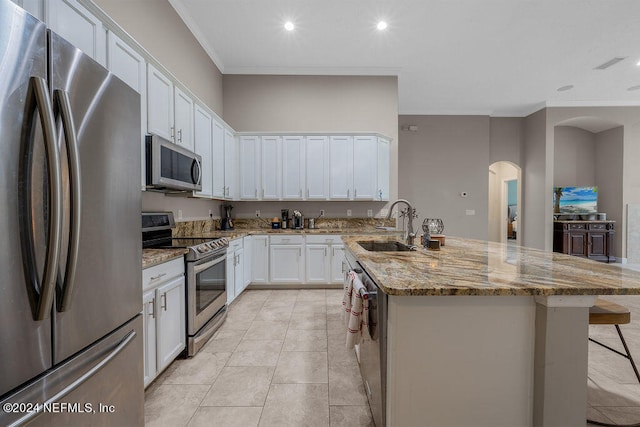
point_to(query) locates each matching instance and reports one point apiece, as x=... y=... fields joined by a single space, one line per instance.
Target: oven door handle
x=201 y=267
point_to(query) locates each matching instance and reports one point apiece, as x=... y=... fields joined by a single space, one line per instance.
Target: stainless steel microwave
x=171 y=167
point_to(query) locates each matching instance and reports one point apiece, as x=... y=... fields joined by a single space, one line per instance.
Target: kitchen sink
x=374 y=246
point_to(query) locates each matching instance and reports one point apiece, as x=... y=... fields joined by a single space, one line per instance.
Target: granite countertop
x=235 y=234
x=569 y=221
x=151 y=257
x=474 y=267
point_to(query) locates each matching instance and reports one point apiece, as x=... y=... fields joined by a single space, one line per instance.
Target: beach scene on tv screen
x=575 y=200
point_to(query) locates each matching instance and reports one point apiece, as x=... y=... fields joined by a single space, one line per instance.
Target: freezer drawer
x=102 y=385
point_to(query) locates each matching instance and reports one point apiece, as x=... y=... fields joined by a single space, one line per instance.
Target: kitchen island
x=487 y=334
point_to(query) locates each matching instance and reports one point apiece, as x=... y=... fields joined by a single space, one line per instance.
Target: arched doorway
x=504 y=202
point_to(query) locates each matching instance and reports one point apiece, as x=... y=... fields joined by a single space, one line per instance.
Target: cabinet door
x=248 y=157
x=149 y=330
x=203 y=139
x=293 y=168
x=218 y=166
x=159 y=104
x=260 y=260
x=578 y=243
x=341 y=166
x=316 y=167
x=171 y=321
x=230 y=166
x=271 y=168
x=231 y=275
x=384 y=150
x=183 y=132
x=317 y=263
x=130 y=67
x=247 y=243
x=238 y=279
x=598 y=244
x=286 y=263
x=79 y=27
x=365 y=162
x=337 y=257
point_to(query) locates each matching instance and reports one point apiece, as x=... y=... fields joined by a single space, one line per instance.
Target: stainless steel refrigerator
x=70 y=251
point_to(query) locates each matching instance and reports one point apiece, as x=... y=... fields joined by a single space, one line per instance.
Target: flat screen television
x=575 y=200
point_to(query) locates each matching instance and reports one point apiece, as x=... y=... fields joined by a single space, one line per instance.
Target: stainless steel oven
x=206 y=298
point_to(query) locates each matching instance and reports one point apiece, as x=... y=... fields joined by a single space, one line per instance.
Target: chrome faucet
x=411 y=235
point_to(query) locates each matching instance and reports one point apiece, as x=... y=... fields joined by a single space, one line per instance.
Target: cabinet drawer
x=324 y=238
x=600 y=226
x=235 y=244
x=286 y=240
x=160 y=273
x=577 y=226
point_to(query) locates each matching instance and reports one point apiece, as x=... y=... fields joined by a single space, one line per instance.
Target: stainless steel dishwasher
x=373 y=353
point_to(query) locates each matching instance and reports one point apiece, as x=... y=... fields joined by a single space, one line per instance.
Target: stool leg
x=626 y=349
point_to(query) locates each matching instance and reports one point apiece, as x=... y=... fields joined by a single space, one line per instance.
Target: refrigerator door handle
x=75 y=384
x=42 y=294
x=61 y=98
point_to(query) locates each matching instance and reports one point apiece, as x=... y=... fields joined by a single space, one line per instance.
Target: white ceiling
x=496 y=57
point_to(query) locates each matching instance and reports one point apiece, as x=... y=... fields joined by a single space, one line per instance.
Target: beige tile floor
x=280 y=360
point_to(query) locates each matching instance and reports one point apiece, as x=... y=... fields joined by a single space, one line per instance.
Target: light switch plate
x=471 y=212
x=348 y=212
x=370 y=213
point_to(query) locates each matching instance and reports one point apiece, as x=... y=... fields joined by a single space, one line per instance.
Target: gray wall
x=314 y=103
x=446 y=156
x=574 y=157
x=506 y=140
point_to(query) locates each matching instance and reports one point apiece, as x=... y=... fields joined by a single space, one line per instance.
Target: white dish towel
x=356 y=311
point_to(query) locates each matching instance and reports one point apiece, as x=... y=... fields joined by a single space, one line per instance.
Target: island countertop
x=480 y=268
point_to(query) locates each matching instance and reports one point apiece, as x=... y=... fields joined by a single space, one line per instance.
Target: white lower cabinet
x=247 y=260
x=164 y=316
x=323 y=263
x=235 y=270
x=286 y=259
x=260 y=260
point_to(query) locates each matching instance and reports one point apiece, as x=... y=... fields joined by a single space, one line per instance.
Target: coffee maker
x=227 y=222
x=285 y=217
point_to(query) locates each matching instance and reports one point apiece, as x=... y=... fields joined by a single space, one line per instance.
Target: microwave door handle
x=196 y=163
x=61 y=98
x=42 y=295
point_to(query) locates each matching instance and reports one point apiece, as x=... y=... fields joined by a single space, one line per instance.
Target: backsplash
x=194 y=228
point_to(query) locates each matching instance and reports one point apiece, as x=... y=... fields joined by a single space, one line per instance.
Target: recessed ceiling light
x=565 y=88
x=381 y=26
x=289 y=26
x=632 y=88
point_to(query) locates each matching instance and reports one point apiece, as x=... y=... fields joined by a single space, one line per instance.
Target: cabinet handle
x=333 y=252
x=355 y=193
x=263 y=193
x=173 y=133
x=180 y=135
x=299 y=252
x=157 y=277
x=265 y=243
x=348 y=193
x=256 y=193
x=163 y=301
x=325 y=252
x=307 y=193
x=152 y=311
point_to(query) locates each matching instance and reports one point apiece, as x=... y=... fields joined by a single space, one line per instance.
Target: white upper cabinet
x=365 y=160
x=271 y=168
x=159 y=103
x=34 y=7
x=341 y=167
x=293 y=186
x=384 y=148
x=230 y=166
x=126 y=63
x=249 y=159
x=316 y=167
x=203 y=139
x=78 y=26
x=183 y=121
x=218 y=188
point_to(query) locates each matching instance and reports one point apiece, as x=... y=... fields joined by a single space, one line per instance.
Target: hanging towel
x=356 y=310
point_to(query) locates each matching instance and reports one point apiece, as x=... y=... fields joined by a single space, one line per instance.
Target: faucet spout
x=411 y=235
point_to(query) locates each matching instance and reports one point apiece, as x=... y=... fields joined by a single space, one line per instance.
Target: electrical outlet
x=210 y=213
x=384 y=212
x=370 y=213
x=258 y=213
x=179 y=213
x=321 y=213
x=471 y=212
x=348 y=212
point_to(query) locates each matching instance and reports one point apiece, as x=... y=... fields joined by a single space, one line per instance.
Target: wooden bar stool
x=609 y=313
